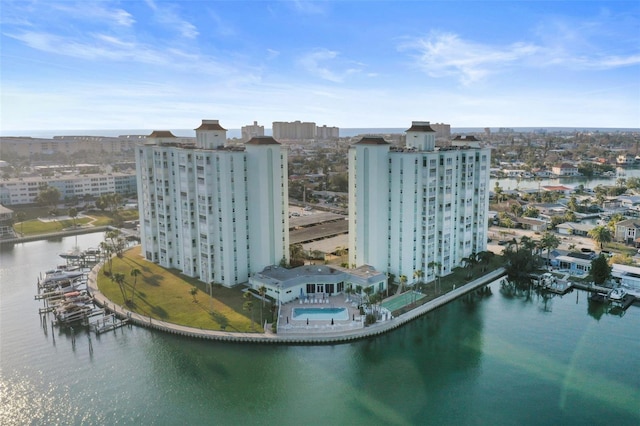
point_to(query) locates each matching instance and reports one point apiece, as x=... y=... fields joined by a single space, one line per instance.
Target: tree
x=108 y=251
x=435 y=267
x=341 y=251
x=600 y=270
x=248 y=305
x=520 y=262
x=600 y=234
x=48 y=196
x=549 y=242
x=262 y=291
x=368 y=291
x=403 y=281
x=573 y=204
x=497 y=190
x=73 y=213
x=418 y=275
x=118 y=278
x=21 y=216
x=484 y=257
x=194 y=292
x=516 y=209
x=296 y=251
x=134 y=273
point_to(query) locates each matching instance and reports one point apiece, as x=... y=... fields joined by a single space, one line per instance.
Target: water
x=589 y=183
x=496 y=360
x=314 y=314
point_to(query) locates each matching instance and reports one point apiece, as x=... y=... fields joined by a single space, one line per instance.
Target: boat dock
x=106 y=323
x=551 y=283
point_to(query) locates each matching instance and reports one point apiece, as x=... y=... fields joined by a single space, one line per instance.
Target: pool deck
x=318 y=332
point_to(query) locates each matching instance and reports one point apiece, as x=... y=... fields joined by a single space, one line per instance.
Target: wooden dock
x=107 y=323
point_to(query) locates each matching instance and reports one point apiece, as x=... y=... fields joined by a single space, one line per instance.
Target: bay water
x=493 y=359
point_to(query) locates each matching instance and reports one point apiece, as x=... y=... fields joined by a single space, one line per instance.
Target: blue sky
x=166 y=65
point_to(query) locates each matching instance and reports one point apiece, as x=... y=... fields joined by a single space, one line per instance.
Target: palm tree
x=497 y=190
x=73 y=213
x=194 y=293
x=262 y=291
x=600 y=234
x=359 y=293
x=549 y=242
x=435 y=267
x=248 y=305
x=368 y=291
x=134 y=273
x=108 y=251
x=21 y=216
x=484 y=257
x=417 y=275
x=403 y=281
x=118 y=278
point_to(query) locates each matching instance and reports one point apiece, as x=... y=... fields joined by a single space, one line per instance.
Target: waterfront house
x=628 y=276
x=530 y=223
x=631 y=202
x=565 y=169
x=6 y=222
x=574 y=263
x=628 y=231
x=315 y=281
x=573 y=228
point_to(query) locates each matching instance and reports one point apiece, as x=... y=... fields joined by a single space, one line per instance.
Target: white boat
x=72 y=254
x=617 y=294
x=53 y=276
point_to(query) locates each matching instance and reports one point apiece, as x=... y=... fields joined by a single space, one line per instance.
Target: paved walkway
x=311 y=336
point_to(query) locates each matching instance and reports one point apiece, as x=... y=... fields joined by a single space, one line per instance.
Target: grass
x=165 y=295
x=95 y=217
x=457 y=278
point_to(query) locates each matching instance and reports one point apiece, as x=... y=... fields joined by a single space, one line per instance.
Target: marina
x=550 y=350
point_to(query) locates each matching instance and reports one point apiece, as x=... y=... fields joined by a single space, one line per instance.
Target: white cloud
x=95 y=11
x=446 y=54
x=308 y=7
x=316 y=64
x=168 y=15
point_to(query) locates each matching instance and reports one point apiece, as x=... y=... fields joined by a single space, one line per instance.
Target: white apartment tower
x=215 y=212
x=416 y=208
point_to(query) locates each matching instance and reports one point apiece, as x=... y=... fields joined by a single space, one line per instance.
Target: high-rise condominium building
x=215 y=212
x=416 y=208
x=250 y=131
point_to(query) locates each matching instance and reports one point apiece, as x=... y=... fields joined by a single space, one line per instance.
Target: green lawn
x=95 y=218
x=165 y=295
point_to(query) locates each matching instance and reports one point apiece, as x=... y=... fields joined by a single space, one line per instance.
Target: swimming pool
x=313 y=314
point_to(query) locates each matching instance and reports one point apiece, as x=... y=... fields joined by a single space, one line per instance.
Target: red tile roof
x=420 y=128
x=161 y=134
x=372 y=140
x=263 y=140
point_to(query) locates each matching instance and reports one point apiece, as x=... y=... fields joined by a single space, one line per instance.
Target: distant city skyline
x=351 y=64
x=344 y=132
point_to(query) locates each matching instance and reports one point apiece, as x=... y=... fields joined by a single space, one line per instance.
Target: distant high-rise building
x=324 y=133
x=416 y=208
x=293 y=130
x=443 y=131
x=251 y=131
x=215 y=212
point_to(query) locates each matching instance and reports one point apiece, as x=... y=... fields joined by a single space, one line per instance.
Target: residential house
x=628 y=231
x=565 y=169
x=573 y=228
